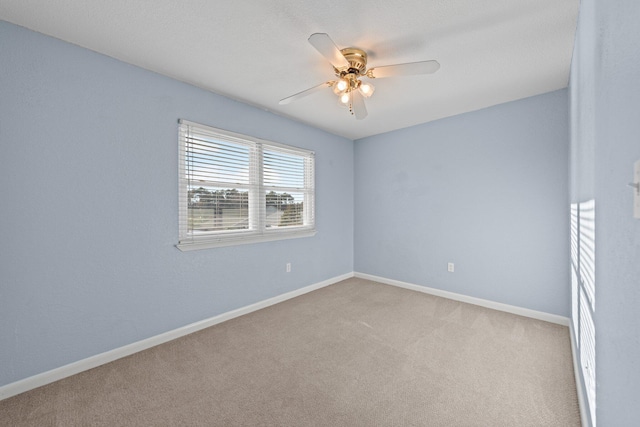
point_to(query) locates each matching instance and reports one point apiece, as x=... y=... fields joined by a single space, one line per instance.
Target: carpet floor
x=357 y=353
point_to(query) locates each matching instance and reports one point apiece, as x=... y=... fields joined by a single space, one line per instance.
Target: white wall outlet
x=450 y=267
x=288 y=267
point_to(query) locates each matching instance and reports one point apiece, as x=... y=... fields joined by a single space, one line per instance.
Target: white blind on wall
x=289 y=187
x=219 y=175
x=586 y=281
x=237 y=189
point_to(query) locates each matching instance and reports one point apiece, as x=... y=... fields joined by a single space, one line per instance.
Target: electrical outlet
x=450 y=267
x=288 y=267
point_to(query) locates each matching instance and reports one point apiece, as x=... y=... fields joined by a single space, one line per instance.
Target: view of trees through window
x=283 y=209
x=218 y=209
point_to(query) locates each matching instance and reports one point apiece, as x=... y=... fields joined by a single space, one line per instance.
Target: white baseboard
x=582 y=402
x=540 y=315
x=56 y=374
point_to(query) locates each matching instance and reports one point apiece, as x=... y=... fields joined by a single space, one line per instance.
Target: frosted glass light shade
x=367 y=89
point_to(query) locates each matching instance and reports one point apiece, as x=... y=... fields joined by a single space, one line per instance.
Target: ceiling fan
x=349 y=65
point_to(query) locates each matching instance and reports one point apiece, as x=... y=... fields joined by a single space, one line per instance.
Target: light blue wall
x=486 y=190
x=606 y=122
x=89 y=207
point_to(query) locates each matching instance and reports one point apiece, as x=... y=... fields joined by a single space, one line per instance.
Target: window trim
x=257 y=194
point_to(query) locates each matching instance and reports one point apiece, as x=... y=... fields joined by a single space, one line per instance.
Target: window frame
x=257 y=230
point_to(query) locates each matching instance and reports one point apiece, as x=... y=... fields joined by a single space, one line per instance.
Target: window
x=237 y=189
x=583 y=247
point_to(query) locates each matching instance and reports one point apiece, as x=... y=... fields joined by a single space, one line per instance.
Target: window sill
x=220 y=241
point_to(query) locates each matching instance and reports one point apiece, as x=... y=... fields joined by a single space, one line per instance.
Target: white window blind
x=288 y=185
x=583 y=293
x=586 y=280
x=238 y=189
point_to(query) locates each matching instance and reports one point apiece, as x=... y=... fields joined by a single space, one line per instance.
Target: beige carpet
x=356 y=353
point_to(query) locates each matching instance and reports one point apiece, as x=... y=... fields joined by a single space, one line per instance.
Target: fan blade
x=357 y=104
x=327 y=48
x=304 y=93
x=422 y=67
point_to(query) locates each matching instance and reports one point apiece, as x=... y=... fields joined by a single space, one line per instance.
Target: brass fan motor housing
x=357 y=59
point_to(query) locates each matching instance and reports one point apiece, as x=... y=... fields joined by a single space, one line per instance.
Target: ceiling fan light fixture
x=340 y=86
x=350 y=65
x=345 y=98
x=366 y=89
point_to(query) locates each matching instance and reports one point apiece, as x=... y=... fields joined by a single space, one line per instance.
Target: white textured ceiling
x=256 y=51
